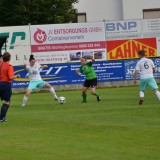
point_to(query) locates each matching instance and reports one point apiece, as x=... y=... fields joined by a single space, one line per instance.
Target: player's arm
x=15 y=76
x=44 y=66
x=11 y=73
x=79 y=72
x=92 y=60
x=153 y=66
x=135 y=76
x=26 y=66
x=136 y=73
x=154 y=70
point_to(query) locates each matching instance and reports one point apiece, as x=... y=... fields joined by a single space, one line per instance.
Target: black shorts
x=90 y=83
x=5 y=91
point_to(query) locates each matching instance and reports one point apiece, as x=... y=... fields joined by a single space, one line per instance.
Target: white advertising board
x=151 y=28
x=18 y=43
x=63 y=43
x=123 y=29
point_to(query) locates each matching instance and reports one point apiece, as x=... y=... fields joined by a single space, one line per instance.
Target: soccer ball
x=61 y=100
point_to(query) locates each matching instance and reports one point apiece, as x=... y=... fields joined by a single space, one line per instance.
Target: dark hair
x=1 y=55
x=31 y=57
x=6 y=56
x=141 y=53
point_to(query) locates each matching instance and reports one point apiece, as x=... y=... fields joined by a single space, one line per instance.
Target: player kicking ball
x=147 y=69
x=35 y=80
x=91 y=79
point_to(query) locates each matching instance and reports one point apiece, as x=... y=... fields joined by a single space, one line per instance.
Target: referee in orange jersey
x=6 y=76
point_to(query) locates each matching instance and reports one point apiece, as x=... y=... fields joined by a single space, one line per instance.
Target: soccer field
x=116 y=128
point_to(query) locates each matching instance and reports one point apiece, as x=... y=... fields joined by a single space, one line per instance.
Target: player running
x=91 y=79
x=35 y=79
x=146 y=68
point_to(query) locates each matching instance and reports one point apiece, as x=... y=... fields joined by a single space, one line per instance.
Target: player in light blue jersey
x=147 y=69
x=35 y=80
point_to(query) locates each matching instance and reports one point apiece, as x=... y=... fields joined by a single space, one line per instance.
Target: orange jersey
x=6 y=71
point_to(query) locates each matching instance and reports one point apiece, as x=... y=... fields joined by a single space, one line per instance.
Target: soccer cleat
x=98 y=98
x=84 y=101
x=3 y=120
x=140 y=101
x=56 y=99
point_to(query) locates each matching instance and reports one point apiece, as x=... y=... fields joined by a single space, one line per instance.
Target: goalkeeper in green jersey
x=91 y=79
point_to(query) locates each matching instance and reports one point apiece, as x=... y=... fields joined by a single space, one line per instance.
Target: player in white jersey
x=147 y=69
x=35 y=79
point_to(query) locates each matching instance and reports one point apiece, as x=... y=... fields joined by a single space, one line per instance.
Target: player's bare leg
x=51 y=89
x=25 y=98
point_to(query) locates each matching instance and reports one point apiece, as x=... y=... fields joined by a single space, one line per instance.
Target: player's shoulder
x=28 y=66
x=10 y=65
x=6 y=64
x=144 y=60
x=139 y=61
x=89 y=63
x=37 y=64
x=148 y=60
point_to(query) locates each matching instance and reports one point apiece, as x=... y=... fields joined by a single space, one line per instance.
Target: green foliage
x=22 y=12
x=117 y=128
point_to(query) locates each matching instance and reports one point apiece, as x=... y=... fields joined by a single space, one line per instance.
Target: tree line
x=22 y=12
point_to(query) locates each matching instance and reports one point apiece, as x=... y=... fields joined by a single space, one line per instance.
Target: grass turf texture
x=116 y=128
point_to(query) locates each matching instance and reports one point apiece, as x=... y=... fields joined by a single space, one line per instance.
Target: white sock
x=53 y=92
x=25 y=99
x=141 y=94
x=158 y=95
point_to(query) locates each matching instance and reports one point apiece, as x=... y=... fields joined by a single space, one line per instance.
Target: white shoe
x=56 y=98
x=23 y=105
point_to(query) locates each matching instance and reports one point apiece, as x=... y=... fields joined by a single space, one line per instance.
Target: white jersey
x=33 y=72
x=145 y=66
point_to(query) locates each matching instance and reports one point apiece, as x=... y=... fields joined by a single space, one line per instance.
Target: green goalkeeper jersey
x=88 y=71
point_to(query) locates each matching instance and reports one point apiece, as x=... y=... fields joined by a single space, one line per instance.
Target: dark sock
x=84 y=97
x=4 y=110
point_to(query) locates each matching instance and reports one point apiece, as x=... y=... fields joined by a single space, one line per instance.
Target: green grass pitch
x=116 y=128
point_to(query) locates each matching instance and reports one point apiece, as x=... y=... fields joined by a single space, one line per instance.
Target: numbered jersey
x=33 y=72
x=145 y=66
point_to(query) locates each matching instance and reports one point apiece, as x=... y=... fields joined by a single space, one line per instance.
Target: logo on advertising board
x=121 y=26
x=130 y=66
x=123 y=29
x=127 y=49
x=53 y=75
x=58 y=74
x=40 y=36
x=157 y=64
